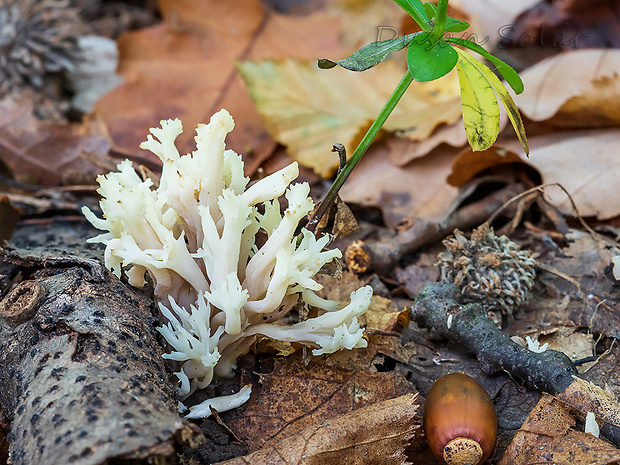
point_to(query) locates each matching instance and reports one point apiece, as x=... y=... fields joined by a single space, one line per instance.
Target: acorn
x=459 y=420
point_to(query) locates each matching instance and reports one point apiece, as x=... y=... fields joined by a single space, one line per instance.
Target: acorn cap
x=488 y=268
x=462 y=451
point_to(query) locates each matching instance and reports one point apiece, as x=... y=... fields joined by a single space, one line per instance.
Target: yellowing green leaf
x=480 y=109
x=496 y=86
x=309 y=110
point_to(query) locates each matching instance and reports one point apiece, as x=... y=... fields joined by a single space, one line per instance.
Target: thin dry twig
x=541 y=189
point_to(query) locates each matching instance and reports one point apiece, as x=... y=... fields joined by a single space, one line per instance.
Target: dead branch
x=437 y=307
x=382 y=256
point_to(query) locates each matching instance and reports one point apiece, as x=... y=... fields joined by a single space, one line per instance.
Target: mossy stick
x=551 y=371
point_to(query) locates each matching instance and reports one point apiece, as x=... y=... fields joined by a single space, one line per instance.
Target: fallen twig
x=382 y=256
x=437 y=307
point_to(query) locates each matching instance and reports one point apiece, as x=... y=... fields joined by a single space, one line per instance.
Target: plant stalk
x=360 y=150
x=440 y=19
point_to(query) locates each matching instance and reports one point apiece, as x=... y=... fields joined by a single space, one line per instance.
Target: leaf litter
x=186 y=67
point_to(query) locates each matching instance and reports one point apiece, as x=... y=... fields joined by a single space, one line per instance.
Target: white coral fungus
x=591 y=425
x=195 y=235
x=534 y=345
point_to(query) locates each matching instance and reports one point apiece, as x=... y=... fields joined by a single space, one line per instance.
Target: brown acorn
x=459 y=420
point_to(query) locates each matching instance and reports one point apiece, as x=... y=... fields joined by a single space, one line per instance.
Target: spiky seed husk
x=489 y=269
x=37 y=37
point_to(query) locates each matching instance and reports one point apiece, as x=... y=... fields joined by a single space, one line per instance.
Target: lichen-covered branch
x=438 y=307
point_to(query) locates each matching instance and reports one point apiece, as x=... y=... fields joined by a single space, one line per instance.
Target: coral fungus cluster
x=195 y=236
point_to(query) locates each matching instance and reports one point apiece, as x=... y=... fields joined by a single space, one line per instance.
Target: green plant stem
x=440 y=19
x=360 y=150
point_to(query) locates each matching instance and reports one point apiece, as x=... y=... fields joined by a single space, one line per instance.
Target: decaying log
x=82 y=379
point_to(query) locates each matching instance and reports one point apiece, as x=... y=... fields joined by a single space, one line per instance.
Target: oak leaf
x=309 y=110
x=378 y=434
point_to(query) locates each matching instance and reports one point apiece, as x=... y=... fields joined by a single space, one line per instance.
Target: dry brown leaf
x=548 y=435
x=584 y=256
x=584 y=162
x=382 y=314
x=468 y=163
x=488 y=17
x=579 y=88
x=417 y=190
x=424 y=107
x=588 y=397
x=549 y=28
x=345 y=223
x=580 y=272
x=379 y=347
x=50 y=153
x=416 y=276
x=574 y=344
x=295 y=397
x=377 y=434
x=579 y=295
x=368 y=21
x=604 y=371
x=309 y=110
x=185 y=68
x=451 y=134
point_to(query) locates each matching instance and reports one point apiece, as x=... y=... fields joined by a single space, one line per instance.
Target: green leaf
x=430 y=9
x=511 y=76
x=480 y=109
x=455 y=25
x=415 y=8
x=370 y=55
x=493 y=82
x=428 y=60
x=440 y=19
